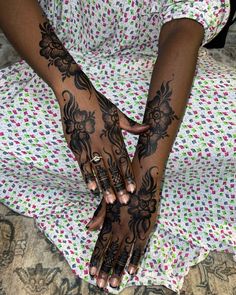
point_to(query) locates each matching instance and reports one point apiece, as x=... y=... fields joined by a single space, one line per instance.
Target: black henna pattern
x=110 y=256
x=103 y=178
x=112 y=215
x=88 y=176
x=121 y=262
x=158 y=115
x=117 y=179
x=80 y=124
x=55 y=52
x=112 y=131
x=136 y=256
x=99 y=208
x=141 y=207
x=101 y=243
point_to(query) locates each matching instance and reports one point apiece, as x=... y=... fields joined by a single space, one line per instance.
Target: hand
x=126 y=230
x=92 y=127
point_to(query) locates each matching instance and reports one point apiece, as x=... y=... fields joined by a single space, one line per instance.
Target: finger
x=117 y=179
x=88 y=175
x=127 y=171
x=108 y=262
x=130 y=125
x=119 y=267
x=138 y=252
x=100 y=248
x=98 y=217
x=105 y=183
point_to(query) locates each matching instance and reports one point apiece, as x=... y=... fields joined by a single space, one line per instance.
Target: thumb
x=130 y=125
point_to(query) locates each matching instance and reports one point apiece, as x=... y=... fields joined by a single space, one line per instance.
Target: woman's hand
x=92 y=127
x=126 y=230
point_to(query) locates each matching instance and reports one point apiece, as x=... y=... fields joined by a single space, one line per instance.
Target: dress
x=39 y=176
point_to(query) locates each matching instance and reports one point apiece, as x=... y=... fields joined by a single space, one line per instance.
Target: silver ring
x=96 y=159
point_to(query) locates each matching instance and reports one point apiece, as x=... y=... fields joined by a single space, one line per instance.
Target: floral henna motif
x=141 y=207
x=54 y=51
x=158 y=115
x=80 y=124
x=112 y=131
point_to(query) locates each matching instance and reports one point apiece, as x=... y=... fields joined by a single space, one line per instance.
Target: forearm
x=169 y=90
x=26 y=27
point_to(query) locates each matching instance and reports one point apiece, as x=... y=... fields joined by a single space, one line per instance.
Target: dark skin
x=169 y=89
x=91 y=123
x=125 y=228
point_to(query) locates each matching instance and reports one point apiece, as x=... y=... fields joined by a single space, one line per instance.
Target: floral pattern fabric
x=117 y=48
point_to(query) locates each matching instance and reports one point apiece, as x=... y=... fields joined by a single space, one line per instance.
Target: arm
x=169 y=89
x=91 y=123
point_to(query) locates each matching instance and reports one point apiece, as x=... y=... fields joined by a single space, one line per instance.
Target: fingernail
x=101 y=283
x=124 y=199
x=93 y=271
x=132 y=270
x=111 y=199
x=92 y=185
x=131 y=187
x=114 y=282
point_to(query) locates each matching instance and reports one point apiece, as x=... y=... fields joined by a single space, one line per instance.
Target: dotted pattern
x=39 y=176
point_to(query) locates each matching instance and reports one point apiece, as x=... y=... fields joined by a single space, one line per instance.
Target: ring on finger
x=96 y=159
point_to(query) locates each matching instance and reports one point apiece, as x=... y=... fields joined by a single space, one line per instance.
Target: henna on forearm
x=57 y=55
x=158 y=115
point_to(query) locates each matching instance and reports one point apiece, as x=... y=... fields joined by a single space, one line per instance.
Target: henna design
x=103 y=178
x=121 y=262
x=110 y=256
x=159 y=115
x=80 y=124
x=117 y=179
x=82 y=82
x=112 y=131
x=111 y=121
x=88 y=176
x=141 y=207
x=112 y=215
x=136 y=256
x=99 y=208
x=55 y=52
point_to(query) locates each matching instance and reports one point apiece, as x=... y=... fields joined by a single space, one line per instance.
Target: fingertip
x=92 y=186
x=131 y=187
x=93 y=271
x=109 y=197
x=123 y=197
x=114 y=283
x=132 y=270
